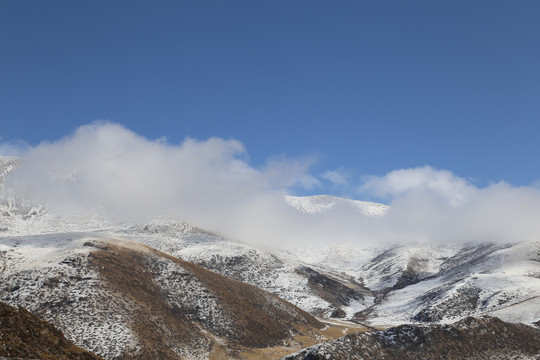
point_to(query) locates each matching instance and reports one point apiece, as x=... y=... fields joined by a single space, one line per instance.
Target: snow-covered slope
x=322 y=203
x=241 y=262
x=7 y=164
x=392 y=284
x=439 y=283
x=117 y=297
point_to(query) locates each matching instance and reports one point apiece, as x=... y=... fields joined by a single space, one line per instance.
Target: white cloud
x=498 y=212
x=436 y=205
x=421 y=179
x=337 y=177
x=13 y=148
x=105 y=168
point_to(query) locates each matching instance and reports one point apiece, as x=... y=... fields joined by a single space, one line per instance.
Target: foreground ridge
x=25 y=336
x=470 y=338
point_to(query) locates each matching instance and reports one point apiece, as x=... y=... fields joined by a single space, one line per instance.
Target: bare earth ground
x=333 y=330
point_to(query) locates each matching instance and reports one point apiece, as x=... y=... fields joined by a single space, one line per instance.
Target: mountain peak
x=322 y=203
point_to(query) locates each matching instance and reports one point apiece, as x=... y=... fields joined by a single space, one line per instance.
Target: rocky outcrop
x=330 y=289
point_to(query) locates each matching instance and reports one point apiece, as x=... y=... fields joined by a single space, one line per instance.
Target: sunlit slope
x=117 y=297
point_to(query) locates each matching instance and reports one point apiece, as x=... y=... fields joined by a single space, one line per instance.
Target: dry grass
x=261 y=319
x=23 y=335
x=156 y=324
x=333 y=330
x=468 y=339
x=258 y=318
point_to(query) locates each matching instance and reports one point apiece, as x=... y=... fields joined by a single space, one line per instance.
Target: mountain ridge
x=322 y=203
x=470 y=338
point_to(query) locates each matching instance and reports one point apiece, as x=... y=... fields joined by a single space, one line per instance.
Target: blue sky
x=366 y=87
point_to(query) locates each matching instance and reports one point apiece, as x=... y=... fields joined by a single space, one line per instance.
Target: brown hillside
x=23 y=335
x=487 y=338
x=181 y=305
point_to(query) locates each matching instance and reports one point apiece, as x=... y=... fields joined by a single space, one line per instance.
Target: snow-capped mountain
x=322 y=203
x=104 y=282
x=440 y=283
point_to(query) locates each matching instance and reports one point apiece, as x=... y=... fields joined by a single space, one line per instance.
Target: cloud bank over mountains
x=104 y=168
